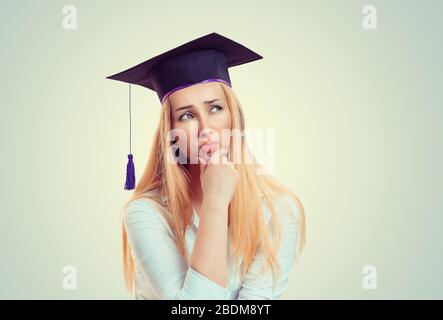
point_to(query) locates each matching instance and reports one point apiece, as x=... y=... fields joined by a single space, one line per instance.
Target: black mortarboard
x=204 y=59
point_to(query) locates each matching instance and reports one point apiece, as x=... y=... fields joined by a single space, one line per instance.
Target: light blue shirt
x=162 y=273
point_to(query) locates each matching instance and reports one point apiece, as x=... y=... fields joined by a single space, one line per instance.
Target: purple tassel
x=130 y=174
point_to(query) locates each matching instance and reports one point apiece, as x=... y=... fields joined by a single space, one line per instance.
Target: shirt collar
x=196 y=219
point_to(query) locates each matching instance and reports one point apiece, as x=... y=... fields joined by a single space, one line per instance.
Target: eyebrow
x=191 y=105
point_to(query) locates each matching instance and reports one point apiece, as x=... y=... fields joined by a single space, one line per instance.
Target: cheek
x=184 y=144
x=228 y=121
x=181 y=131
x=225 y=125
x=224 y=121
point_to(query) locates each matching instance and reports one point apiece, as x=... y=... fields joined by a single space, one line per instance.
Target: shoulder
x=146 y=203
x=287 y=216
x=286 y=207
x=145 y=211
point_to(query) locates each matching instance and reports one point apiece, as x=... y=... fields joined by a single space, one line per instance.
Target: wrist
x=215 y=204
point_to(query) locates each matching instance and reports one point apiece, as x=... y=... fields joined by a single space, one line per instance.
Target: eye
x=214 y=107
x=183 y=115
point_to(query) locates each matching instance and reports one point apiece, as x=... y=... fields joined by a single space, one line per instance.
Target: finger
x=224 y=160
x=231 y=165
x=225 y=152
x=216 y=157
x=204 y=153
x=225 y=156
x=203 y=163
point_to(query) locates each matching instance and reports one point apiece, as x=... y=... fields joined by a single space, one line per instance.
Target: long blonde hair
x=247 y=227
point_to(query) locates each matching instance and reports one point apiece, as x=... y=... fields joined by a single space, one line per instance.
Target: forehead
x=196 y=94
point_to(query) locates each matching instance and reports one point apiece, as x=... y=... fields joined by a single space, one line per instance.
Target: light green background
x=358 y=116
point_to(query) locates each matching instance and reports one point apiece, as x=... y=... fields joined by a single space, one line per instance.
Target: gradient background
x=358 y=116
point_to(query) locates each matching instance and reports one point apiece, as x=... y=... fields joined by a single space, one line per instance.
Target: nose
x=207 y=129
x=205 y=135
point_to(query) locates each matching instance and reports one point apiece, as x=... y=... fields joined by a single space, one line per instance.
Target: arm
x=209 y=256
x=155 y=251
x=218 y=181
x=260 y=286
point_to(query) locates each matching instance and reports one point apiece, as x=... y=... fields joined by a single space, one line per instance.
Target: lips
x=208 y=148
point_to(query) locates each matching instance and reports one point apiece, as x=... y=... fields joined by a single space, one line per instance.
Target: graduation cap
x=205 y=59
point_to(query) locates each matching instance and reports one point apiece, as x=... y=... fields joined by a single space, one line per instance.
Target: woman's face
x=201 y=112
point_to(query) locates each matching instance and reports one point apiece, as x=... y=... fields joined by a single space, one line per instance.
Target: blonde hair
x=247 y=227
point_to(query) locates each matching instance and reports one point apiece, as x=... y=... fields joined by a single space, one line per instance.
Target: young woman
x=202 y=223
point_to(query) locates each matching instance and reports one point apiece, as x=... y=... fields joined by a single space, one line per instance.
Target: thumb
x=203 y=163
x=217 y=156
